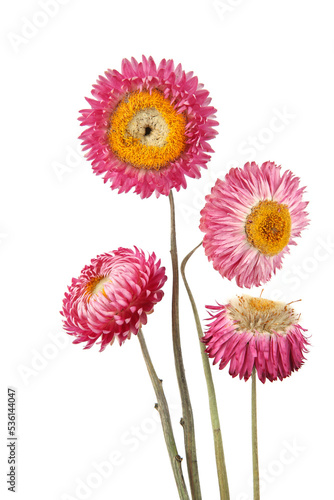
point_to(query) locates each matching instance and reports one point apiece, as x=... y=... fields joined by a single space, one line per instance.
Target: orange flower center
x=268 y=227
x=146 y=131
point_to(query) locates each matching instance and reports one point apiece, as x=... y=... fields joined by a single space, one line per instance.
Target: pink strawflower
x=112 y=297
x=255 y=332
x=148 y=127
x=250 y=219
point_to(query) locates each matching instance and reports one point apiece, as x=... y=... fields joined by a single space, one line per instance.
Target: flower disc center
x=254 y=314
x=96 y=285
x=268 y=227
x=150 y=127
x=258 y=304
x=146 y=131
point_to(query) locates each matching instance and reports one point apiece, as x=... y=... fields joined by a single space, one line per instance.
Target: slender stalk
x=166 y=423
x=187 y=421
x=256 y=480
x=217 y=437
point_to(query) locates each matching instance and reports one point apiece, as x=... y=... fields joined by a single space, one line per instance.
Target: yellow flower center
x=261 y=305
x=268 y=227
x=96 y=285
x=146 y=131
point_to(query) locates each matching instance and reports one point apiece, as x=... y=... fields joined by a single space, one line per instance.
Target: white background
x=259 y=59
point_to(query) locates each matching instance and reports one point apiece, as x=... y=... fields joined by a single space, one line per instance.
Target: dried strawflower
x=148 y=127
x=112 y=297
x=253 y=332
x=250 y=219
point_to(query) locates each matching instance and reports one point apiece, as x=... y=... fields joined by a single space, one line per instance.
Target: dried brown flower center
x=268 y=227
x=261 y=315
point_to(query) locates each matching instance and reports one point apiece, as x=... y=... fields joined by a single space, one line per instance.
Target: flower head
x=255 y=332
x=112 y=297
x=148 y=127
x=250 y=219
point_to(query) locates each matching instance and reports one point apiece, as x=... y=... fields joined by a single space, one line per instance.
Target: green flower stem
x=217 y=437
x=256 y=480
x=166 y=423
x=187 y=420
